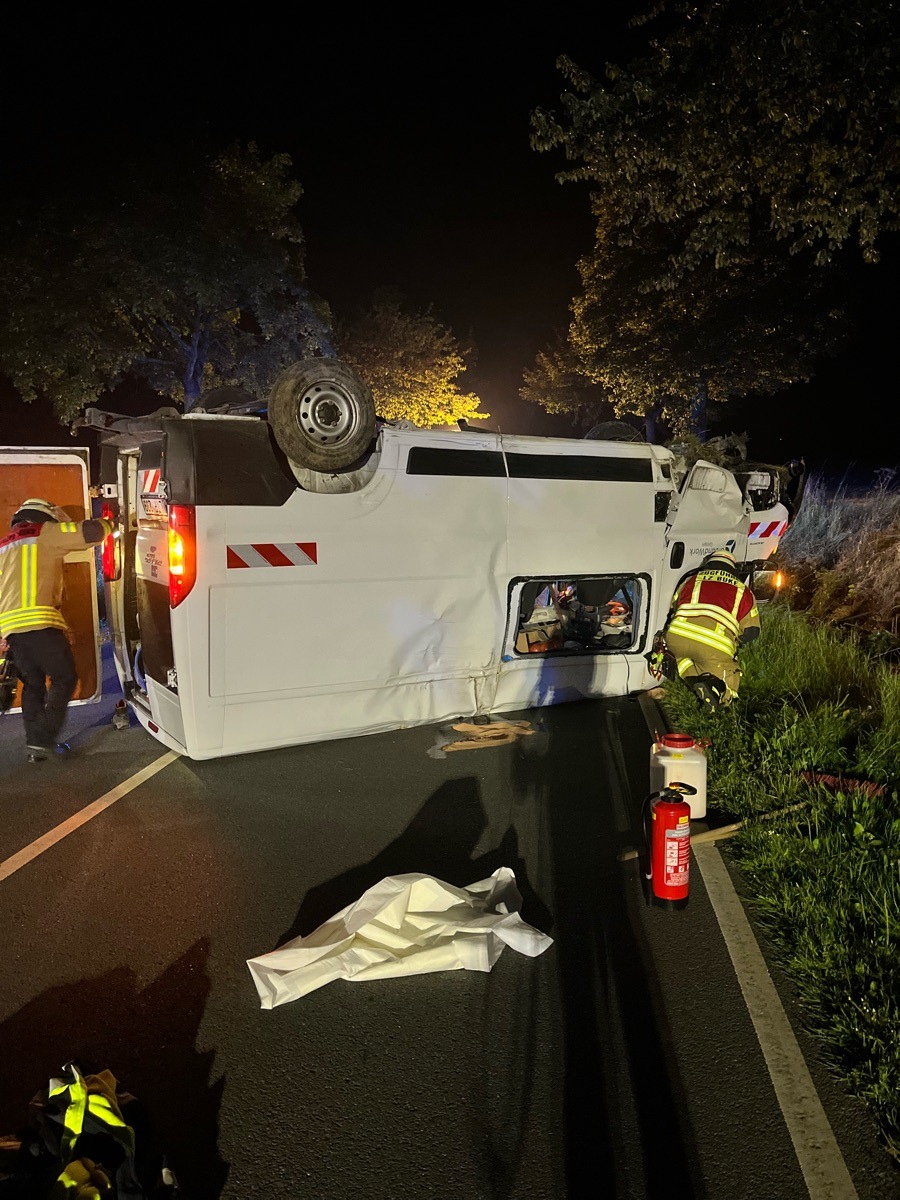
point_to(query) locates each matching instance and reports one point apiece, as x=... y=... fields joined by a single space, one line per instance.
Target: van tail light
x=182 y=552
x=111 y=554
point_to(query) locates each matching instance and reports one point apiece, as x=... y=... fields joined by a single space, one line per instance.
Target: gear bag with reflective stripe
x=88 y=1138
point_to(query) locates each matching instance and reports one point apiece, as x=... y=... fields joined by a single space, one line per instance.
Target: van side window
x=597 y=615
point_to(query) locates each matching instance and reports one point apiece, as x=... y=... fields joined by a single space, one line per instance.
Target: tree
x=673 y=355
x=192 y=283
x=743 y=123
x=726 y=168
x=410 y=361
x=755 y=325
x=559 y=384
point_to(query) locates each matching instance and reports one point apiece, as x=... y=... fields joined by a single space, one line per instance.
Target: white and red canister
x=678 y=758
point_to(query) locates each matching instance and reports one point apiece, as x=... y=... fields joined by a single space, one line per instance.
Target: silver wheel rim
x=327 y=413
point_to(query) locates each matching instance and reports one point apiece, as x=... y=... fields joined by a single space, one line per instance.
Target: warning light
x=111 y=553
x=182 y=552
x=779 y=580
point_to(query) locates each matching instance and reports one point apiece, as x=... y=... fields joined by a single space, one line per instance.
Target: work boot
x=709 y=692
x=37 y=753
x=707 y=696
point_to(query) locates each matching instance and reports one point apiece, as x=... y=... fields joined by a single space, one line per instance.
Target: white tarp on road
x=405 y=925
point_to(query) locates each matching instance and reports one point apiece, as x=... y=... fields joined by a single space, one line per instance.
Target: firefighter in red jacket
x=31 y=589
x=713 y=613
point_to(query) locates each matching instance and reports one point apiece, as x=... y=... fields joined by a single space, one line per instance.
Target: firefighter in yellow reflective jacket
x=713 y=613
x=31 y=588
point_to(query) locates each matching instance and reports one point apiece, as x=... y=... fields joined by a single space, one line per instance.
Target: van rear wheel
x=322 y=414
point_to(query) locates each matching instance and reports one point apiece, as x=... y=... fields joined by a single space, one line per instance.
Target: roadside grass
x=825 y=876
x=827 y=889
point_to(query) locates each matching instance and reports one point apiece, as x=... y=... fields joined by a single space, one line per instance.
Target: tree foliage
x=410 y=361
x=669 y=354
x=741 y=122
x=755 y=325
x=559 y=384
x=727 y=163
x=190 y=282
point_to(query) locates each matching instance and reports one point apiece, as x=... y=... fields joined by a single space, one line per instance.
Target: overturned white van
x=258 y=601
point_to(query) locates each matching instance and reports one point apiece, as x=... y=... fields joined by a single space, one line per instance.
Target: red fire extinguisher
x=667 y=829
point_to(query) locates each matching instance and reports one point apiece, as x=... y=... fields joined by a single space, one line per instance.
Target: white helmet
x=35 y=510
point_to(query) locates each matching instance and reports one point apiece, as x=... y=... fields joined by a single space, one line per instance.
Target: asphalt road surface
x=620 y=1063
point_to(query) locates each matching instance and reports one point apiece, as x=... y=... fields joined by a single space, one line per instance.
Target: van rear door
x=61 y=476
x=137 y=578
x=118 y=473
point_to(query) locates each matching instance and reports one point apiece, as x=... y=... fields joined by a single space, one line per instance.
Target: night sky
x=410 y=136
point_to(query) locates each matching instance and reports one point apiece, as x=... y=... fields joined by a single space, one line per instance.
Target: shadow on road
x=439 y=841
x=581 y=784
x=147 y=1038
x=625 y=1132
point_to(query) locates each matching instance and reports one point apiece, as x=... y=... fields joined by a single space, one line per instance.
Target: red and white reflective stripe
x=769 y=529
x=149 y=481
x=273 y=554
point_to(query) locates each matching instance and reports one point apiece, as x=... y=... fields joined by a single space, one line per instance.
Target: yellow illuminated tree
x=410 y=361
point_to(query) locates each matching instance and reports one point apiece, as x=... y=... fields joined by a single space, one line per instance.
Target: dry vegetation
x=842 y=556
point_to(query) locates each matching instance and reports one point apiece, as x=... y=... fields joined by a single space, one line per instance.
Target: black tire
x=322 y=414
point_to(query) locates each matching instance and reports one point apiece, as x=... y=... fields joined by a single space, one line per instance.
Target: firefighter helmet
x=720 y=556
x=36 y=511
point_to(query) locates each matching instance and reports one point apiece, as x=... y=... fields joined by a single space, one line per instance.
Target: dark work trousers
x=37 y=654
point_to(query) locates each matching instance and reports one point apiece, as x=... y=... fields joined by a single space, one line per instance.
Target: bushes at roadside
x=825 y=876
x=843 y=555
x=834 y=518
x=811 y=700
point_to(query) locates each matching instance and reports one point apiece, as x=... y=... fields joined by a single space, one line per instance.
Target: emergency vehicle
x=309 y=572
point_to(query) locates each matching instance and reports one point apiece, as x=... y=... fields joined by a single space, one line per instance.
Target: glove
x=82 y=1179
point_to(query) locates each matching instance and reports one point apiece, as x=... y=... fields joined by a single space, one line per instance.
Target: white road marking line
x=818 y=1154
x=21 y=859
